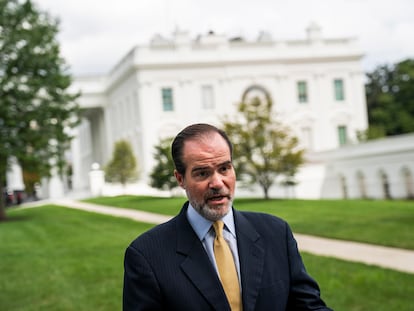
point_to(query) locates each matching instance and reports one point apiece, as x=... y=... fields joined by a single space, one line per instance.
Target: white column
x=96 y=180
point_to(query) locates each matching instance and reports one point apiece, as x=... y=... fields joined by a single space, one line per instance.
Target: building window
x=385 y=185
x=339 y=89
x=344 y=187
x=342 y=135
x=207 y=97
x=408 y=182
x=167 y=99
x=362 y=185
x=302 y=92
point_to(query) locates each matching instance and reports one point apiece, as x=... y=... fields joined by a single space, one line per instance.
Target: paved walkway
x=386 y=257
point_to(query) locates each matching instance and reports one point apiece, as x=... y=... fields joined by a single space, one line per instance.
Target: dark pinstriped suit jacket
x=167 y=268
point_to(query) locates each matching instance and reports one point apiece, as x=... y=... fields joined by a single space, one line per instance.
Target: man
x=178 y=265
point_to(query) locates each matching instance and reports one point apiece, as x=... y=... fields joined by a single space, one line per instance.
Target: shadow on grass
x=15 y=218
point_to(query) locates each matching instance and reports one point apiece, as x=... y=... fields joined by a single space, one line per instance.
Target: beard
x=211 y=211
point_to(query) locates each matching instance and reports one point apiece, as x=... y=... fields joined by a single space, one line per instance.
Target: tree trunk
x=3 y=216
x=3 y=171
x=2 y=204
x=266 y=192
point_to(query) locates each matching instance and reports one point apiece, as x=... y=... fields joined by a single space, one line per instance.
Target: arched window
x=361 y=185
x=344 y=187
x=256 y=91
x=408 y=182
x=385 y=185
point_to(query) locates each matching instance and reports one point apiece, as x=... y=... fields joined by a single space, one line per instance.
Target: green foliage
x=390 y=100
x=36 y=108
x=162 y=175
x=30 y=180
x=263 y=148
x=123 y=166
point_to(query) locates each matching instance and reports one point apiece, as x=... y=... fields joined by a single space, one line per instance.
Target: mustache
x=212 y=193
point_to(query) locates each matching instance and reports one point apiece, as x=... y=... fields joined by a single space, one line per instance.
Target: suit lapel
x=251 y=256
x=196 y=264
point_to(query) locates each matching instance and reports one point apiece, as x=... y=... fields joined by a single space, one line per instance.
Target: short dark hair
x=193 y=131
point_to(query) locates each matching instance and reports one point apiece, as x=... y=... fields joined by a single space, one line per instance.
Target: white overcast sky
x=96 y=34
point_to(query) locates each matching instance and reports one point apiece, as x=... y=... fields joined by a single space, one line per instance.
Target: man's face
x=209 y=179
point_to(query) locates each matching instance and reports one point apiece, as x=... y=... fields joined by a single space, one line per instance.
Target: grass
x=159 y=205
x=347 y=286
x=54 y=258
x=379 y=222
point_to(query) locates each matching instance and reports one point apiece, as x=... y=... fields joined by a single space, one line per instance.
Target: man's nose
x=216 y=181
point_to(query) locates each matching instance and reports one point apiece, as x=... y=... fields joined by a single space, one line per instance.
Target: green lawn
x=380 y=222
x=54 y=258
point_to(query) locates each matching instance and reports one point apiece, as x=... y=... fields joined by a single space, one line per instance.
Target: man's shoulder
x=262 y=223
x=262 y=217
x=161 y=233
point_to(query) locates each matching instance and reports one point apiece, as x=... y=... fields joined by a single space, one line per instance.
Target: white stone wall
x=392 y=157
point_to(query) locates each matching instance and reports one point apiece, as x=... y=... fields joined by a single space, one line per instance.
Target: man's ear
x=180 y=179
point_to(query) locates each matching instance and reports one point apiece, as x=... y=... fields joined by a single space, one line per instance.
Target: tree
x=162 y=175
x=390 y=100
x=263 y=147
x=36 y=108
x=30 y=180
x=123 y=166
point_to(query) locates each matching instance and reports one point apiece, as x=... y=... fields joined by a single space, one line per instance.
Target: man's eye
x=202 y=174
x=225 y=168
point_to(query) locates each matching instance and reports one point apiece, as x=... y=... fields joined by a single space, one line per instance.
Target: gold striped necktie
x=227 y=268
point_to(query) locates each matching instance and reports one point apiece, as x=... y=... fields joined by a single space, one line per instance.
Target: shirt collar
x=201 y=226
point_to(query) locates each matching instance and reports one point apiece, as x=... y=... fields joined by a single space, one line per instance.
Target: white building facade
x=316 y=85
